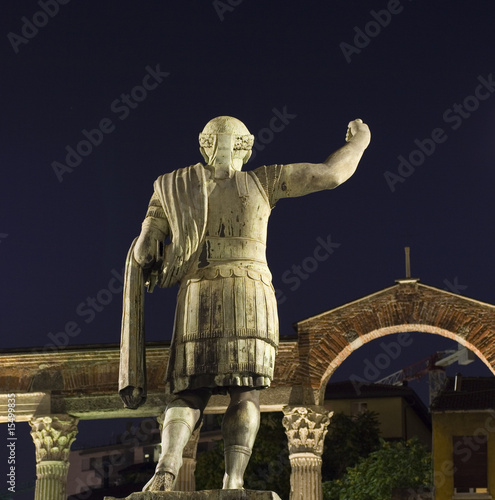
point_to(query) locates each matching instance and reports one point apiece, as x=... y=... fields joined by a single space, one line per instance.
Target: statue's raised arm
x=299 y=179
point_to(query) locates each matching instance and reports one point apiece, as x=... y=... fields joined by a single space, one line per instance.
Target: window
x=149 y=453
x=470 y=491
x=470 y=464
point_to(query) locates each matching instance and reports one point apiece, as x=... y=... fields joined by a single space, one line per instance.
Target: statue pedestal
x=202 y=495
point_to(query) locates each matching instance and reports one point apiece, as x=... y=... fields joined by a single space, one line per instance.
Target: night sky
x=420 y=73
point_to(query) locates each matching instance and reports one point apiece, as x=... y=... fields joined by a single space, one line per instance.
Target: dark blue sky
x=425 y=71
x=67 y=240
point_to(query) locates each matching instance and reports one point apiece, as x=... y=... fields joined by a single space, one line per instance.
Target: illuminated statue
x=206 y=229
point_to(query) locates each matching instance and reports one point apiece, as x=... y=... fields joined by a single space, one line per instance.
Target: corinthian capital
x=306 y=428
x=53 y=436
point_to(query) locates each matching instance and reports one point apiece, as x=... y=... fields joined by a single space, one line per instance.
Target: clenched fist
x=358 y=133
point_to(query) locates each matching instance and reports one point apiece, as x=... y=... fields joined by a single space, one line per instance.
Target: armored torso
x=235 y=235
x=226 y=323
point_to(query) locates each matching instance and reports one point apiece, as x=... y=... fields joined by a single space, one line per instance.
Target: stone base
x=202 y=495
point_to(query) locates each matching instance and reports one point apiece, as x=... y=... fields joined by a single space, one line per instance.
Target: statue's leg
x=239 y=428
x=182 y=416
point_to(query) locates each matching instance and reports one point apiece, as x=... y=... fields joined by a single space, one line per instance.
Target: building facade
x=464 y=439
x=401 y=413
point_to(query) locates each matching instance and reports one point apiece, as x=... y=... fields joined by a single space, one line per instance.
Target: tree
x=269 y=466
x=348 y=440
x=404 y=465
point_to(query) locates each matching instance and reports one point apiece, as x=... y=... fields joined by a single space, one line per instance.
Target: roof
x=355 y=390
x=474 y=393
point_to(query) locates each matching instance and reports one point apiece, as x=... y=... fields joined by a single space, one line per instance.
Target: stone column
x=306 y=428
x=52 y=436
x=186 y=480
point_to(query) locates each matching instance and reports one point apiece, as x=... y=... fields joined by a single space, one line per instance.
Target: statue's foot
x=232 y=487
x=161 y=481
x=232 y=483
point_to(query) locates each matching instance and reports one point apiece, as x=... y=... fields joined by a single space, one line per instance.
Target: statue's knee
x=247 y=396
x=188 y=406
x=196 y=400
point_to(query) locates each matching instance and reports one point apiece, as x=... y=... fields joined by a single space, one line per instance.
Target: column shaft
x=51 y=479
x=305 y=479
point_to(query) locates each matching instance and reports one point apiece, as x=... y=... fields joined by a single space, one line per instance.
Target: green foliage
x=395 y=465
x=268 y=469
x=348 y=440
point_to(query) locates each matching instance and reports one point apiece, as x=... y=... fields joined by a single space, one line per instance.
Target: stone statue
x=205 y=229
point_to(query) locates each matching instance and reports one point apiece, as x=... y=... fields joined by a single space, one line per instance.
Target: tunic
x=226 y=323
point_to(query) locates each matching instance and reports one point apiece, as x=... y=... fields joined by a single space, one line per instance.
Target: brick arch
x=329 y=338
x=376 y=334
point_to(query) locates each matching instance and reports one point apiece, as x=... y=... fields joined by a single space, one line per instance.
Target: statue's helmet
x=226 y=132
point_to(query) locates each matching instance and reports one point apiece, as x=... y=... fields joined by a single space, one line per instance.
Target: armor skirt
x=225 y=332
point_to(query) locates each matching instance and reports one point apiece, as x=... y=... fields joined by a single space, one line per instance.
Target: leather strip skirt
x=225 y=333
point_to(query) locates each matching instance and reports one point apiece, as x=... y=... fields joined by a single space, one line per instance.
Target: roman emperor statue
x=205 y=230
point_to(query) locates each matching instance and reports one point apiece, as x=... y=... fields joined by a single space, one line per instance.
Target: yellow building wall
x=389 y=413
x=446 y=425
x=416 y=427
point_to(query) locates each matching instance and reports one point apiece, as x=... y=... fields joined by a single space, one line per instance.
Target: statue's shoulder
x=268 y=170
x=196 y=169
x=268 y=177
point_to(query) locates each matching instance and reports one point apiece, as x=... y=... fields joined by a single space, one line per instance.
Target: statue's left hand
x=358 y=133
x=146 y=248
x=132 y=397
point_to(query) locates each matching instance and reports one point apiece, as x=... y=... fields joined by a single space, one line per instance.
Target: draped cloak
x=184 y=200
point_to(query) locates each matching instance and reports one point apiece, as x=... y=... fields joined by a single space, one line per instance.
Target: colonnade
x=305 y=426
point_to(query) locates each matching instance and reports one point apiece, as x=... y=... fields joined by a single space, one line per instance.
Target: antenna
x=408 y=262
x=407 y=279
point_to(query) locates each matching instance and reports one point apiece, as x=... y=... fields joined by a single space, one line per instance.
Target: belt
x=222 y=249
